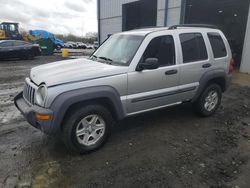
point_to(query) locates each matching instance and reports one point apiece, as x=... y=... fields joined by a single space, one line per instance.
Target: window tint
x=19 y=43
x=6 y=44
x=161 y=48
x=217 y=44
x=193 y=47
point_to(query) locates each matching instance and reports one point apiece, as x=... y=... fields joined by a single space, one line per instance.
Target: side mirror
x=148 y=64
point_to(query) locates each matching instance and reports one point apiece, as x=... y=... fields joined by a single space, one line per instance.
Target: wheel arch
x=66 y=102
x=219 y=77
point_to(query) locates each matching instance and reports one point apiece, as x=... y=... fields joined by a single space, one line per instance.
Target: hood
x=74 y=70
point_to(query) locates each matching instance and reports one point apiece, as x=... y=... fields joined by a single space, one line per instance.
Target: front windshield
x=118 y=49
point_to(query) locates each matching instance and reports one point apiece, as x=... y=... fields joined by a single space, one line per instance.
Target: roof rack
x=192 y=25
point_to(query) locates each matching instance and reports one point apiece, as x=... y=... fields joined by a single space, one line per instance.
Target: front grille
x=29 y=93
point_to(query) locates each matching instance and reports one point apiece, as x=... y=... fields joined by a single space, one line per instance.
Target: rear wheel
x=209 y=101
x=87 y=128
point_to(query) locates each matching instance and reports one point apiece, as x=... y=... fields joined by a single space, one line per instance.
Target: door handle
x=170 y=72
x=206 y=65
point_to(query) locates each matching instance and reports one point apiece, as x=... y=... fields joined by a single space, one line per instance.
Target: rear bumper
x=29 y=112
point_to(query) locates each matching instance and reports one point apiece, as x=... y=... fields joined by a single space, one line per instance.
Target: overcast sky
x=57 y=16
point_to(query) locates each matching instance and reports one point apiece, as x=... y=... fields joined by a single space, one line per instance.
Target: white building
x=232 y=16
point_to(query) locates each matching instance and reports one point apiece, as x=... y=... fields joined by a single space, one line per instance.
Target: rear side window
x=19 y=43
x=193 y=47
x=218 y=46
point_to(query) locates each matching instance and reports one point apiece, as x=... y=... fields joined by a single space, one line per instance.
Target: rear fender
x=207 y=77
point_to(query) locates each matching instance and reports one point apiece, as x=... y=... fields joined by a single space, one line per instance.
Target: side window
x=19 y=43
x=6 y=44
x=193 y=47
x=218 y=46
x=163 y=49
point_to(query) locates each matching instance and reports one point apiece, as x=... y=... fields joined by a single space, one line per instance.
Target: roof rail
x=193 y=25
x=146 y=27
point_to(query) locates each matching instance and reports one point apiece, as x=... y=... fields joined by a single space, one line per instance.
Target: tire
x=209 y=101
x=58 y=47
x=84 y=142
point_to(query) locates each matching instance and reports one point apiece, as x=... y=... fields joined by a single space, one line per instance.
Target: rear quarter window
x=218 y=45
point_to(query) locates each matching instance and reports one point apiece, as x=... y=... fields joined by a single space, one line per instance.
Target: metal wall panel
x=174 y=15
x=110 y=26
x=111 y=15
x=174 y=12
x=112 y=8
x=161 y=4
x=160 y=17
x=245 y=63
x=174 y=3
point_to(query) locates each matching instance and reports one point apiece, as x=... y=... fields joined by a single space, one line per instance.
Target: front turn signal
x=43 y=117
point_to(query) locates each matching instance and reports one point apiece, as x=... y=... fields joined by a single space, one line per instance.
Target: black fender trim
x=65 y=100
x=210 y=75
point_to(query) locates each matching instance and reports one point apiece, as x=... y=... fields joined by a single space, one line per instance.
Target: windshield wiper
x=93 y=56
x=105 y=58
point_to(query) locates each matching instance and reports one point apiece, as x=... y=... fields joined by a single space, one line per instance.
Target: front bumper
x=29 y=111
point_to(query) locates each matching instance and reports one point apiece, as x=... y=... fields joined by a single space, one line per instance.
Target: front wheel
x=209 y=101
x=87 y=128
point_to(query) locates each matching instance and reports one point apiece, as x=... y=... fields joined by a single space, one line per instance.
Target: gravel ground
x=166 y=148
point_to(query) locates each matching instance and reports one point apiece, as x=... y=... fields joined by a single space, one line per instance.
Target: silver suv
x=130 y=73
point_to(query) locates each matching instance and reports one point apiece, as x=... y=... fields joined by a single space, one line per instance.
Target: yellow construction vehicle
x=2 y=35
x=10 y=30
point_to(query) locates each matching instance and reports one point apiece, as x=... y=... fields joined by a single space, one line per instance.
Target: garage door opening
x=229 y=15
x=139 y=14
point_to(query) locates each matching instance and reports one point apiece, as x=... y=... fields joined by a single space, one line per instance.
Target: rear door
x=195 y=62
x=20 y=49
x=221 y=56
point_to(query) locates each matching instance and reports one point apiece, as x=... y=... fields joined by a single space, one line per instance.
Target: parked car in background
x=67 y=45
x=96 y=44
x=70 y=45
x=81 y=45
x=18 y=49
x=90 y=47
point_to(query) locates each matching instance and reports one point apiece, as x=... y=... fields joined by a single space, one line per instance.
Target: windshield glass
x=118 y=49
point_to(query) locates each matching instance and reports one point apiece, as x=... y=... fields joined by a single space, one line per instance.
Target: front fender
x=63 y=102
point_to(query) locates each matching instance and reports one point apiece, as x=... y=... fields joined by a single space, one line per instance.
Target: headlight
x=41 y=95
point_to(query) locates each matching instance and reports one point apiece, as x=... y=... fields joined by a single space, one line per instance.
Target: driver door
x=6 y=49
x=150 y=89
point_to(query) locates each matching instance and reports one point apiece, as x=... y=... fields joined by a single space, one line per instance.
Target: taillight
x=231 y=66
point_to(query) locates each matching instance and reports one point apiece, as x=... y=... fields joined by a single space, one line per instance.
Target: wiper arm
x=105 y=58
x=94 y=56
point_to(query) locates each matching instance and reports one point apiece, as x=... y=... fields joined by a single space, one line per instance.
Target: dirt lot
x=166 y=148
